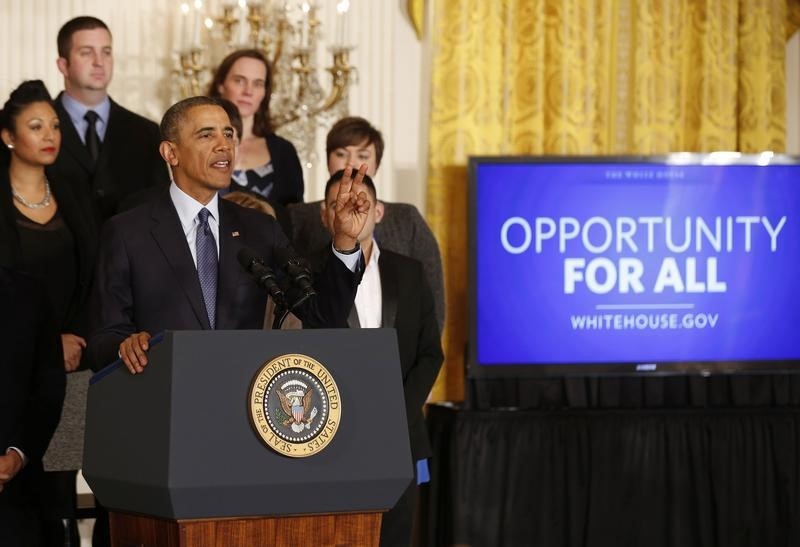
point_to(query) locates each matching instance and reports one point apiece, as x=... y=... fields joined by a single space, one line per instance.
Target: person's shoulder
x=276 y=142
x=138 y=212
x=245 y=214
x=59 y=105
x=403 y=212
x=129 y=117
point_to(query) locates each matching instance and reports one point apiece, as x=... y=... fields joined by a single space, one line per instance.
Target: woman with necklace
x=266 y=164
x=48 y=233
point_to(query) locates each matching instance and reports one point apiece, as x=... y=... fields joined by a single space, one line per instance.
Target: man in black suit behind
x=107 y=152
x=172 y=264
x=32 y=381
x=394 y=292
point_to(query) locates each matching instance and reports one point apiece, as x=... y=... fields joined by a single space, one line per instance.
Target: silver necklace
x=46 y=200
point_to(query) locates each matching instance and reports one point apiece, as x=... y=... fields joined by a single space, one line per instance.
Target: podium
x=176 y=458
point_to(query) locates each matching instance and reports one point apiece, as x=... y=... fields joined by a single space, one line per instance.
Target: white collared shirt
x=188 y=208
x=369 y=297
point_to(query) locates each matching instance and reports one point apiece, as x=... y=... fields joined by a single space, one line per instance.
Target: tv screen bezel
x=477 y=371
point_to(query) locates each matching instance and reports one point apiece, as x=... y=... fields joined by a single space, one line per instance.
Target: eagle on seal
x=294 y=408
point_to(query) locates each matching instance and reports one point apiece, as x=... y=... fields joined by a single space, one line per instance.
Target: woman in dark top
x=46 y=232
x=265 y=163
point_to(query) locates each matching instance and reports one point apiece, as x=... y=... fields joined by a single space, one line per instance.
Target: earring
x=10 y=146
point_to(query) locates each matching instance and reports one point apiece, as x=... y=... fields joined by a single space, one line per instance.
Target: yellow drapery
x=591 y=77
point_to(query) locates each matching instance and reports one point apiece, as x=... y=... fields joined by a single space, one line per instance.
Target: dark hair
x=27 y=93
x=262 y=125
x=338 y=175
x=233 y=114
x=351 y=131
x=176 y=114
x=84 y=22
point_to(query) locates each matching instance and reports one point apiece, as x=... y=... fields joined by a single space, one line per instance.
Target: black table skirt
x=599 y=477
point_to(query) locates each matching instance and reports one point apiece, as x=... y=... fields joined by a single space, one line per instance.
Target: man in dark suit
x=394 y=292
x=107 y=152
x=32 y=381
x=172 y=263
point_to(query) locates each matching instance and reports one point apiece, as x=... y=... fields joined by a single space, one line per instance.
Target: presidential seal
x=294 y=405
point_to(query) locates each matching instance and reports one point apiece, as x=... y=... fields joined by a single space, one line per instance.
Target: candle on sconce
x=185 y=31
x=197 y=24
x=341 y=21
x=305 y=28
x=243 y=28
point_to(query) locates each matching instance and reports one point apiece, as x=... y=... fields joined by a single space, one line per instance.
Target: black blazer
x=146 y=279
x=289 y=185
x=407 y=306
x=129 y=160
x=78 y=217
x=32 y=384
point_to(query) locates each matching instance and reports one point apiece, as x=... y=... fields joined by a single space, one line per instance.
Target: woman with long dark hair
x=48 y=233
x=265 y=163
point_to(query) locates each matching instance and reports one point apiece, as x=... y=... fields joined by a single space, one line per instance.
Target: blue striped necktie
x=206 y=247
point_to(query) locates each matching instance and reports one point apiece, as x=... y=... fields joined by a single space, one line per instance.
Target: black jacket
x=407 y=306
x=289 y=185
x=129 y=160
x=146 y=279
x=32 y=384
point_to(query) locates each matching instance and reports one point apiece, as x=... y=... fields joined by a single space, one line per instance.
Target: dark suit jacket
x=31 y=392
x=129 y=160
x=289 y=185
x=402 y=230
x=407 y=306
x=146 y=279
x=77 y=215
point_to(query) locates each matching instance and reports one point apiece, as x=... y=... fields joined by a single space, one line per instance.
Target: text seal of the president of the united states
x=294 y=405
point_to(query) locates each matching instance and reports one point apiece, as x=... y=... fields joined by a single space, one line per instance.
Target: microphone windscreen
x=247 y=257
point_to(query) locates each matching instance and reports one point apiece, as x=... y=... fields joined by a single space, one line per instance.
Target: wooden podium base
x=129 y=530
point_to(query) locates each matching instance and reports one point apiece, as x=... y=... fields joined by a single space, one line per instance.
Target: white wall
x=388 y=58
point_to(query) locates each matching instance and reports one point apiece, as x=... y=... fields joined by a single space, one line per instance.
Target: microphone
x=263 y=275
x=299 y=272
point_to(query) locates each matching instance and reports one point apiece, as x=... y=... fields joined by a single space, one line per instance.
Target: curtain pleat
x=660 y=478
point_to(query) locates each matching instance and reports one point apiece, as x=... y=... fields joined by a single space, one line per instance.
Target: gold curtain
x=591 y=77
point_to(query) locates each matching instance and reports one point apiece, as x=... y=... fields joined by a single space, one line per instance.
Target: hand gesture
x=352 y=206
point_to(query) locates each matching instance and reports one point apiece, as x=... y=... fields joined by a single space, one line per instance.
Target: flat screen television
x=684 y=263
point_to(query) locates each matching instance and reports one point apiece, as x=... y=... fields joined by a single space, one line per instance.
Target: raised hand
x=352 y=206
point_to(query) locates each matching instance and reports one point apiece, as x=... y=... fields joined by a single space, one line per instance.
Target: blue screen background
x=523 y=315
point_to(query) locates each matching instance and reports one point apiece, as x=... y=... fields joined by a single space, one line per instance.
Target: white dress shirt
x=188 y=208
x=369 y=297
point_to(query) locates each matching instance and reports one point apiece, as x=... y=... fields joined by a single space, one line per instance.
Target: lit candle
x=185 y=28
x=341 y=21
x=198 y=23
x=305 y=33
x=242 y=22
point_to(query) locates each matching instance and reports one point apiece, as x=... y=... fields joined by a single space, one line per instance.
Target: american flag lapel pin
x=235 y=234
